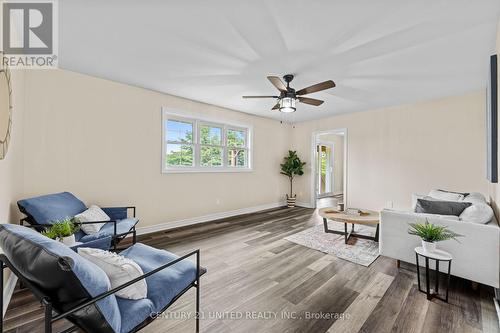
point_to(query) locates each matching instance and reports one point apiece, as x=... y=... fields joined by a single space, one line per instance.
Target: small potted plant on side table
x=431 y=234
x=63 y=231
x=292 y=166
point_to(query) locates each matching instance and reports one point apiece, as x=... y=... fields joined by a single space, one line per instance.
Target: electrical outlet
x=217 y=201
x=389 y=204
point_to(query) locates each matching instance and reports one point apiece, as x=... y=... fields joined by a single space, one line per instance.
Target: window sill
x=206 y=170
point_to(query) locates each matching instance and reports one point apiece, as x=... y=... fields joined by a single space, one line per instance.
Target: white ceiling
x=379 y=53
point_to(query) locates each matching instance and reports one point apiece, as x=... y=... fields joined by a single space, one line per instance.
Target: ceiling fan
x=288 y=95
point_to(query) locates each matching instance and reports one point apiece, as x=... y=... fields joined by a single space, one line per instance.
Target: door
x=324 y=163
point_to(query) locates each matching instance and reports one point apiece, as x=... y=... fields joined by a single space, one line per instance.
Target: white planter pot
x=428 y=246
x=68 y=241
x=290 y=201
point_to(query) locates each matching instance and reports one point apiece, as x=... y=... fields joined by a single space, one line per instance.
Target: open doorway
x=329 y=165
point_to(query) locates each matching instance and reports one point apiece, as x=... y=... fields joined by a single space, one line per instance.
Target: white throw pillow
x=119 y=270
x=446 y=196
x=475 y=198
x=477 y=213
x=93 y=214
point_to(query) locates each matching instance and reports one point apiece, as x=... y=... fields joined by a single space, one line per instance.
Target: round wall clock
x=5 y=109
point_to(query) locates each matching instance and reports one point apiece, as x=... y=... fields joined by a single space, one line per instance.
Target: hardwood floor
x=259 y=282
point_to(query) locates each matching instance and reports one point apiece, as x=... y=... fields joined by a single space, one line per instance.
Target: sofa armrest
x=475 y=256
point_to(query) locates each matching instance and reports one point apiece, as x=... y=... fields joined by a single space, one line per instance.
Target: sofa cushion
x=47 y=209
x=446 y=196
x=477 y=213
x=122 y=226
x=441 y=207
x=67 y=278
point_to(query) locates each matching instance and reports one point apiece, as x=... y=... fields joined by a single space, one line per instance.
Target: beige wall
x=102 y=141
x=394 y=152
x=338 y=160
x=11 y=168
x=495 y=188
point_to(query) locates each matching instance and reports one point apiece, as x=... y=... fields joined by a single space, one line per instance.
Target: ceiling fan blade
x=259 y=96
x=276 y=107
x=276 y=81
x=316 y=87
x=311 y=101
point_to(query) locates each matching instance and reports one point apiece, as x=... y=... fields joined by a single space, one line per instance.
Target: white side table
x=437 y=256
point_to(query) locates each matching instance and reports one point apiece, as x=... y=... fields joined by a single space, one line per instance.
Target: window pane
x=179 y=155
x=179 y=131
x=210 y=135
x=236 y=157
x=211 y=156
x=236 y=138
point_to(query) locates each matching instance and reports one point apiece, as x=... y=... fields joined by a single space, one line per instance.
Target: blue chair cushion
x=101 y=243
x=67 y=278
x=163 y=286
x=47 y=209
x=122 y=226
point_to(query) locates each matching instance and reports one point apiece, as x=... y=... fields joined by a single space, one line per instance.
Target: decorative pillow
x=415 y=197
x=441 y=207
x=477 y=213
x=119 y=270
x=446 y=196
x=93 y=214
x=475 y=198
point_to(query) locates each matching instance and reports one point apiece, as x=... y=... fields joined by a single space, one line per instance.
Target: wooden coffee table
x=369 y=217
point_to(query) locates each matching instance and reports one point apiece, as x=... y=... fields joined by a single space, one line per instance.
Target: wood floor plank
x=363 y=305
x=385 y=313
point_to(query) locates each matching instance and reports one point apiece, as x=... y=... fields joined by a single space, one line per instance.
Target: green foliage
x=432 y=232
x=63 y=228
x=292 y=166
x=211 y=153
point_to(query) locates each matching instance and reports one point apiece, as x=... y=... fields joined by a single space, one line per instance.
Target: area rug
x=359 y=251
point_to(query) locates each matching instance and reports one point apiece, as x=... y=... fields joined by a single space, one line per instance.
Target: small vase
x=68 y=241
x=429 y=246
x=290 y=201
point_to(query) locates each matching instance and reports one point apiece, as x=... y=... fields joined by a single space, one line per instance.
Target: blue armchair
x=44 y=210
x=71 y=287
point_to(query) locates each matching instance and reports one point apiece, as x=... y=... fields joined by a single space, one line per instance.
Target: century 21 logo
x=27 y=28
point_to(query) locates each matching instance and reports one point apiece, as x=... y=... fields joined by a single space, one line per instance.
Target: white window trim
x=197 y=119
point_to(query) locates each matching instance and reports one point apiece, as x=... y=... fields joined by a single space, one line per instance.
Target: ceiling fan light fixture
x=287 y=105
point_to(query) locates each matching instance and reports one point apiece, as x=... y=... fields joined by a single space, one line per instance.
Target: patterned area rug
x=359 y=251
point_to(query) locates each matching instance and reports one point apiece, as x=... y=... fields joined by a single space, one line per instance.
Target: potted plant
x=63 y=231
x=292 y=166
x=431 y=234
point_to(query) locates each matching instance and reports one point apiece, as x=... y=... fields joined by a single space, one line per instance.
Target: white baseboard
x=304 y=204
x=206 y=218
x=8 y=290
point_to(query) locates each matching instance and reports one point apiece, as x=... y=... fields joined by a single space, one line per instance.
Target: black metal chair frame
x=116 y=238
x=51 y=315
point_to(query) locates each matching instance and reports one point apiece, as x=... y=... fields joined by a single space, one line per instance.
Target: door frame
x=313 y=178
x=330 y=145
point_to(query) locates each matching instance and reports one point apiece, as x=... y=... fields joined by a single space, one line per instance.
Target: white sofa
x=476 y=257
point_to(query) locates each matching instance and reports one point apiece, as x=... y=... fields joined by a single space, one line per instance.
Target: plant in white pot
x=431 y=234
x=63 y=231
x=292 y=166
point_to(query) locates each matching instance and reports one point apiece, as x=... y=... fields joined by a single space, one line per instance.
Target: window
x=236 y=147
x=179 y=143
x=193 y=145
